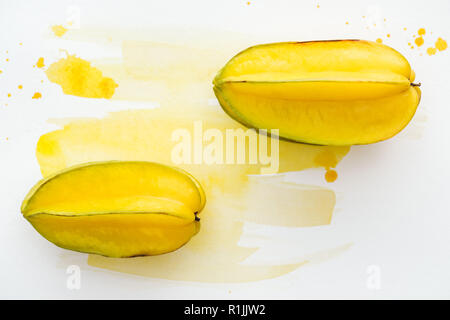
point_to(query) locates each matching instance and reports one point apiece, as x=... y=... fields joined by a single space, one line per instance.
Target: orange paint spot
x=419 y=41
x=40 y=63
x=379 y=40
x=421 y=32
x=79 y=78
x=331 y=175
x=441 y=44
x=431 y=51
x=37 y=95
x=20 y=86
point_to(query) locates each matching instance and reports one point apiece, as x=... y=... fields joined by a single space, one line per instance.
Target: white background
x=392 y=196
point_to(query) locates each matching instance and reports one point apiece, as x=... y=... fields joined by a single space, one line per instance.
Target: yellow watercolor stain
x=79 y=78
x=388 y=35
x=419 y=41
x=421 y=32
x=7 y=59
x=40 y=63
x=379 y=40
x=1 y=71
x=441 y=44
x=9 y=95
x=36 y=95
x=20 y=86
x=331 y=175
x=346 y=22
x=178 y=77
x=328 y=160
x=59 y=30
x=431 y=51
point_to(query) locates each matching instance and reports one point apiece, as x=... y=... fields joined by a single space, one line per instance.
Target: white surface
x=392 y=196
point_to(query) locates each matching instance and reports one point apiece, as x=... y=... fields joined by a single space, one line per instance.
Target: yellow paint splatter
x=37 y=95
x=441 y=44
x=20 y=86
x=388 y=35
x=59 y=30
x=419 y=41
x=431 y=51
x=40 y=63
x=77 y=77
x=9 y=95
x=421 y=32
x=379 y=40
x=7 y=59
x=346 y=22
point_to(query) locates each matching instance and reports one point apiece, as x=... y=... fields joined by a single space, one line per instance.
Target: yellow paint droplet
x=412 y=47
x=7 y=59
x=388 y=35
x=77 y=77
x=20 y=86
x=421 y=32
x=346 y=22
x=9 y=95
x=1 y=71
x=331 y=175
x=441 y=44
x=379 y=40
x=419 y=41
x=37 y=95
x=405 y=28
x=409 y=43
x=59 y=30
x=40 y=63
x=431 y=51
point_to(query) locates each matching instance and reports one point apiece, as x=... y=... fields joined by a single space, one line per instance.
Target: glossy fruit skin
x=116 y=208
x=341 y=92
